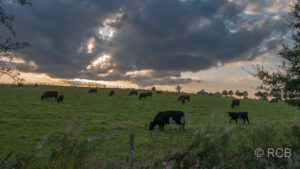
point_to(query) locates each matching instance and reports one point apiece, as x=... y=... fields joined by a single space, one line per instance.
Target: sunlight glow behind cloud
x=90 y=45
x=101 y=61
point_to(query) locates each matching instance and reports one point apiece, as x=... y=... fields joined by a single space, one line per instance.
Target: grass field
x=25 y=119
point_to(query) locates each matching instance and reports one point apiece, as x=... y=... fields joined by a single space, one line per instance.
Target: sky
x=198 y=44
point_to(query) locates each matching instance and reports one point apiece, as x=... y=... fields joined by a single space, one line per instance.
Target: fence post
x=131 y=158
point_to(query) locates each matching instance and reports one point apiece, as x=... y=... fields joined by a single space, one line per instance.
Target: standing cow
x=167 y=117
x=235 y=102
x=60 y=99
x=93 y=90
x=133 y=92
x=48 y=94
x=182 y=98
x=111 y=93
x=144 y=95
x=238 y=115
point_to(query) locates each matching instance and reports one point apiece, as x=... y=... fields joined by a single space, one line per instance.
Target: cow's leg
x=247 y=120
x=230 y=120
x=235 y=121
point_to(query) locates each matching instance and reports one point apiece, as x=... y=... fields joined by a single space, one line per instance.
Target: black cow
x=60 y=99
x=159 y=92
x=238 y=115
x=49 y=94
x=182 y=101
x=111 y=93
x=235 y=102
x=93 y=90
x=182 y=98
x=20 y=84
x=144 y=95
x=167 y=117
x=133 y=92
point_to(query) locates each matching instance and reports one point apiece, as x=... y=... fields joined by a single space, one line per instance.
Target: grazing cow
x=235 y=102
x=111 y=93
x=133 y=92
x=144 y=95
x=49 y=94
x=93 y=90
x=60 y=99
x=273 y=100
x=167 y=117
x=182 y=98
x=182 y=101
x=159 y=92
x=238 y=115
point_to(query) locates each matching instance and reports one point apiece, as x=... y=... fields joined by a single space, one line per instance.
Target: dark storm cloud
x=168 y=37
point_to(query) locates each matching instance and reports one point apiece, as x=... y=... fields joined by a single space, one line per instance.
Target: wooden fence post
x=131 y=158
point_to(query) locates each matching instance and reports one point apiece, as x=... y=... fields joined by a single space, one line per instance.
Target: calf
x=238 y=115
x=93 y=90
x=168 y=117
x=111 y=93
x=60 y=99
x=133 y=92
x=144 y=95
x=49 y=94
x=182 y=98
x=235 y=102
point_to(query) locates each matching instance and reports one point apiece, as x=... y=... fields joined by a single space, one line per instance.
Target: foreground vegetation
x=92 y=131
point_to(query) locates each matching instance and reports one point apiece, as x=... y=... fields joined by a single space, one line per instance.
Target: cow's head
x=151 y=125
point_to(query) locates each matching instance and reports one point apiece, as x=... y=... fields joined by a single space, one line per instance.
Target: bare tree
x=225 y=93
x=178 y=88
x=245 y=94
x=8 y=45
x=230 y=93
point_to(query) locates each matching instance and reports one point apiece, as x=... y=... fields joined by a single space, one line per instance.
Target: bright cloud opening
x=145 y=72
x=107 y=31
x=101 y=61
x=90 y=45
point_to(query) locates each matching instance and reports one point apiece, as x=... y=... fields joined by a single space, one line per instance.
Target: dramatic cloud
x=147 y=42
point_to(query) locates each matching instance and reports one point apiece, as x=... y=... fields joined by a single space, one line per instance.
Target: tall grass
x=223 y=146
x=214 y=145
